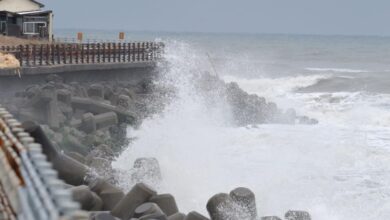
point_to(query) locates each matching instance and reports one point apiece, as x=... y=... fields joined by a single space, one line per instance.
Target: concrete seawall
x=134 y=72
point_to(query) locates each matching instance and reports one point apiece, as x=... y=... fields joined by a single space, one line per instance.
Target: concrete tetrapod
x=139 y=194
x=88 y=200
x=147 y=209
x=110 y=195
x=270 y=218
x=219 y=206
x=297 y=215
x=70 y=170
x=154 y=217
x=177 y=216
x=245 y=199
x=195 y=216
x=166 y=202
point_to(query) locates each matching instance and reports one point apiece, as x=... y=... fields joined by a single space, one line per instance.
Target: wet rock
x=139 y=194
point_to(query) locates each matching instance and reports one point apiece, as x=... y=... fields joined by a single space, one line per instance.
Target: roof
x=40 y=4
x=33 y=12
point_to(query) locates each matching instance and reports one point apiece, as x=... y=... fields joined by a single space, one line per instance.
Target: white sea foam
x=337 y=170
x=336 y=70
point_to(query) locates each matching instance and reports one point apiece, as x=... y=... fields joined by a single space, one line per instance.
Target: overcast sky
x=347 y=17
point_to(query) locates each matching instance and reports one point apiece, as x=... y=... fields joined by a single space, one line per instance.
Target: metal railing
x=29 y=187
x=85 y=53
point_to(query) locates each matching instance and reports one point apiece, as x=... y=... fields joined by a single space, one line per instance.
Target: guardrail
x=85 y=53
x=29 y=187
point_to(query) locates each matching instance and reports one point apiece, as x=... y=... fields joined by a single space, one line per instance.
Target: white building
x=25 y=18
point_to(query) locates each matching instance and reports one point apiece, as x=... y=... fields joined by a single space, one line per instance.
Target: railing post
x=34 y=53
x=21 y=55
x=41 y=55
x=77 y=53
x=93 y=52
x=143 y=51
x=47 y=48
x=133 y=52
x=28 y=55
x=128 y=52
x=82 y=53
x=64 y=53
x=149 y=50
x=98 y=52
x=114 y=52
x=58 y=54
x=138 y=51
x=53 y=60
x=124 y=52
x=104 y=52
x=109 y=52
x=119 y=52
x=88 y=52
x=70 y=46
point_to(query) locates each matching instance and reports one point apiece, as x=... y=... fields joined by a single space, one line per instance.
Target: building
x=25 y=18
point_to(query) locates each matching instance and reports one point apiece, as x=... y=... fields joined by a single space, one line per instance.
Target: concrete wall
x=18 y=5
x=11 y=83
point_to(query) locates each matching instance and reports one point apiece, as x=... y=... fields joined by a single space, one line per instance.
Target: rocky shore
x=83 y=128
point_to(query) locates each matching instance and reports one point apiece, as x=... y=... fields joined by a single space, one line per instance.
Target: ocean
x=338 y=169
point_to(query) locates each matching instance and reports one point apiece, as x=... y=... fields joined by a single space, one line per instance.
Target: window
x=33 y=27
x=3 y=27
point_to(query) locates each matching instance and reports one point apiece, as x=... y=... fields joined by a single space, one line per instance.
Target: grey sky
x=352 y=17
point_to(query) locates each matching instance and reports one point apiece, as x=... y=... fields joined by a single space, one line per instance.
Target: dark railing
x=85 y=53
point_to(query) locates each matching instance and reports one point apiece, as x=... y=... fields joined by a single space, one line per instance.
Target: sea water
x=336 y=170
